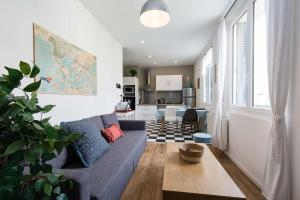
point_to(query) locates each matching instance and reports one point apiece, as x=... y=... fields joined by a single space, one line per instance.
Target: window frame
x=210 y=47
x=249 y=8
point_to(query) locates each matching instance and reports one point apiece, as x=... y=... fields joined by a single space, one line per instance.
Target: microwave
x=129 y=89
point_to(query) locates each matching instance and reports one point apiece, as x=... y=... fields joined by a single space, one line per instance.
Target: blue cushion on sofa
x=109 y=119
x=91 y=145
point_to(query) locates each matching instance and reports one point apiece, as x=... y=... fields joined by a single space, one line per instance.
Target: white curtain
x=280 y=15
x=217 y=138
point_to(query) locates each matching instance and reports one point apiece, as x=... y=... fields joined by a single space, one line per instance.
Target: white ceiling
x=193 y=22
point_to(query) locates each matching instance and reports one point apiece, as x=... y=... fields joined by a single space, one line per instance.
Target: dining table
x=201 y=113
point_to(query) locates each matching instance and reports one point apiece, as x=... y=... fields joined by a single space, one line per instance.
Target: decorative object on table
x=133 y=72
x=191 y=152
x=71 y=70
x=202 y=138
x=155 y=14
x=28 y=143
x=190 y=117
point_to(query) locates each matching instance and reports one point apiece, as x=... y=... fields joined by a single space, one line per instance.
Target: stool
x=202 y=138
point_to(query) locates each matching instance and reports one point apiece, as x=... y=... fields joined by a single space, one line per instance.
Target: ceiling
x=193 y=22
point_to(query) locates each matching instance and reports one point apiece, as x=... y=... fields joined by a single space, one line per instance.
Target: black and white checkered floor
x=170 y=135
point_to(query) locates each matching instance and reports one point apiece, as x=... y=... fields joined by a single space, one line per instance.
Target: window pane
x=260 y=76
x=240 y=72
x=207 y=75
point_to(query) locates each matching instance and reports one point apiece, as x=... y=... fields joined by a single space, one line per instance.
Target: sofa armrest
x=80 y=189
x=130 y=125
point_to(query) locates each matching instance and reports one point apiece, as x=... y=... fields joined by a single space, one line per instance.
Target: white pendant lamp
x=155 y=14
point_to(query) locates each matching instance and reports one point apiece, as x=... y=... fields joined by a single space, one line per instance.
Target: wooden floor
x=146 y=183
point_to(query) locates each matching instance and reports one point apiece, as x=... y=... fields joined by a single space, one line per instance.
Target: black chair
x=190 y=117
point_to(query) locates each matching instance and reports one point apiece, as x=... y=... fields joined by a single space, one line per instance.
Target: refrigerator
x=189 y=97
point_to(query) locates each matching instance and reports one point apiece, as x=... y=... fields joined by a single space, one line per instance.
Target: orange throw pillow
x=111 y=134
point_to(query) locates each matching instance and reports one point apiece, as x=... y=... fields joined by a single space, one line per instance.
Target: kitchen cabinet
x=146 y=112
x=168 y=82
x=130 y=115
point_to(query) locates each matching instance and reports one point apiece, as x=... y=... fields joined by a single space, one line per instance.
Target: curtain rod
x=230 y=9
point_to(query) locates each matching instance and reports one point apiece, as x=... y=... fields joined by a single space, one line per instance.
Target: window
x=240 y=56
x=250 y=77
x=207 y=76
x=260 y=71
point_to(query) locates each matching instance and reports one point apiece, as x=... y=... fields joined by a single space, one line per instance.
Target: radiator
x=224 y=133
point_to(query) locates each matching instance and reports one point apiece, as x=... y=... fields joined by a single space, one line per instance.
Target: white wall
x=70 y=20
x=294 y=113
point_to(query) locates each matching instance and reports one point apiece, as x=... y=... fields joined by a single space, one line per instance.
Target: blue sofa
x=107 y=178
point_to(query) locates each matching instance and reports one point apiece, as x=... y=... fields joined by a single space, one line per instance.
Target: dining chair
x=170 y=115
x=190 y=117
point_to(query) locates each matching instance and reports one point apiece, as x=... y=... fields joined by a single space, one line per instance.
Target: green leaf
x=20 y=105
x=25 y=68
x=28 y=117
x=34 y=94
x=30 y=156
x=39 y=184
x=35 y=71
x=57 y=190
x=48 y=108
x=13 y=147
x=14 y=76
x=73 y=137
x=62 y=197
x=51 y=132
x=48 y=189
x=32 y=87
x=46 y=120
x=37 y=126
x=52 y=179
x=6 y=87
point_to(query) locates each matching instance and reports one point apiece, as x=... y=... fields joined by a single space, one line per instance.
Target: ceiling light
x=155 y=14
x=142 y=41
x=175 y=61
x=149 y=56
x=154 y=62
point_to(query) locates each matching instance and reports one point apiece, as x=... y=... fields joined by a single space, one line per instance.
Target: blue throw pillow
x=91 y=145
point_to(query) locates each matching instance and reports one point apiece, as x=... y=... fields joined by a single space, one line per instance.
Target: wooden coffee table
x=206 y=180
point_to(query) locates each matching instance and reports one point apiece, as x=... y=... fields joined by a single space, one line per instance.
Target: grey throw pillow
x=91 y=145
x=109 y=119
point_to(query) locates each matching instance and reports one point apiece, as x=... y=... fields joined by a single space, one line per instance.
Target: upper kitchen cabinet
x=130 y=80
x=168 y=82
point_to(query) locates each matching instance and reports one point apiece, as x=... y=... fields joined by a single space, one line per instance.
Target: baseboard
x=245 y=171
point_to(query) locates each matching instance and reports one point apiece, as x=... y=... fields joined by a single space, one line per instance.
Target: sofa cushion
x=97 y=121
x=111 y=134
x=109 y=120
x=91 y=145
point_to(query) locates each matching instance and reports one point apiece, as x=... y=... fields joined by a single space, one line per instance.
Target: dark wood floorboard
x=146 y=183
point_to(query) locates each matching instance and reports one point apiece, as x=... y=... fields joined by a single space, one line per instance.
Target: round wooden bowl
x=191 y=152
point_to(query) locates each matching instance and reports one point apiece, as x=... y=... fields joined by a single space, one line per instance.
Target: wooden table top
x=204 y=180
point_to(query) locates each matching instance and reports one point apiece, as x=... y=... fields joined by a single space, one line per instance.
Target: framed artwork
x=65 y=68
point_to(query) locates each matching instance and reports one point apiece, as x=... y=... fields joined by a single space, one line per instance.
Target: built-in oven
x=129 y=89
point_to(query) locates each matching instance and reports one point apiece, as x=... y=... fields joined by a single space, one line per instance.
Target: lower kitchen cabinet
x=146 y=112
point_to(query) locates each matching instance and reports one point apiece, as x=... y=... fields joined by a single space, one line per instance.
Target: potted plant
x=28 y=140
x=133 y=72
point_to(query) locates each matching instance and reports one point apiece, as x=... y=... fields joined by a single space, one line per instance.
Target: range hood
x=148 y=87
